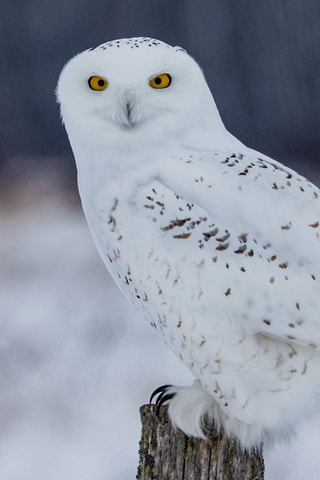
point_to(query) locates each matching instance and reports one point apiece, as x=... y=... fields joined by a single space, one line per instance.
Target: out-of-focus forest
x=76 y=361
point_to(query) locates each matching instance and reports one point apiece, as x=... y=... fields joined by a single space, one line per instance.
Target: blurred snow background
x=76 y=361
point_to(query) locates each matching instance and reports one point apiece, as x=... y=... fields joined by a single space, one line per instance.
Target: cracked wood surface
x=168 y=454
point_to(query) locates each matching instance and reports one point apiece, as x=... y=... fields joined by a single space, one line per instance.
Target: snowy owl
x=217 y=245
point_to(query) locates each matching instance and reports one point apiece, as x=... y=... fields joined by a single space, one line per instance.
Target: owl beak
x=128 y=109
x=126 y=115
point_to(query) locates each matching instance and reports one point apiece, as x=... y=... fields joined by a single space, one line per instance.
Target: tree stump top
x=167 y=453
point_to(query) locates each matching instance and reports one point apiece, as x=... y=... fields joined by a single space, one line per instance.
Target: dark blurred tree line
x=261 y=60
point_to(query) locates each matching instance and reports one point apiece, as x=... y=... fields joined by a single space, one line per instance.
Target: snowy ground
x=76 y=362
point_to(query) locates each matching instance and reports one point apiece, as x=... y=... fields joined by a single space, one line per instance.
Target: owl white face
x=132 y=91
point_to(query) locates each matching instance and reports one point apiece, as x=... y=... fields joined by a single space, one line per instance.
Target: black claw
x=161 y=389
x=163 y=399
x=160 y=396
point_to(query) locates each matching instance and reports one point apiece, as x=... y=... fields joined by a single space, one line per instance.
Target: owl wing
x=250 y=227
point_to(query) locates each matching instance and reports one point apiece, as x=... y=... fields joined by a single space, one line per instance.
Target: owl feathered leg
x=188 y=406
x=194 y=411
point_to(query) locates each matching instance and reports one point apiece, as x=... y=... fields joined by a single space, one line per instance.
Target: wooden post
x=168 y=454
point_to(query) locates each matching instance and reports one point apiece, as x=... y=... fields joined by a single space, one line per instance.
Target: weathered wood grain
x=168 y=454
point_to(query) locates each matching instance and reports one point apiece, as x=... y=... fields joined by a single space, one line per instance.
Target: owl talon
x=162 y=390
x=163 y=399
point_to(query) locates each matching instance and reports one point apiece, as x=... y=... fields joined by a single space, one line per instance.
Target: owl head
x=135 y=92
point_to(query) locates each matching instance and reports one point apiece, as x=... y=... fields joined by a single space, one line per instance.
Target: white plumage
x=217 y=245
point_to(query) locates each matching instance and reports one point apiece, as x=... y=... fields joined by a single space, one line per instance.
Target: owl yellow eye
x=160 y=81
x=97 y=83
